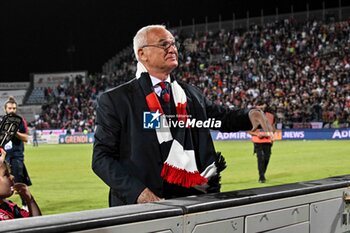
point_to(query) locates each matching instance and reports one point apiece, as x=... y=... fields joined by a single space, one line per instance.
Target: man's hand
x=147 y=196
x=257 y=117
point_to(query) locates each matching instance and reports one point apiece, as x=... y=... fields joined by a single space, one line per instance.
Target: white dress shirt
x=155 y=84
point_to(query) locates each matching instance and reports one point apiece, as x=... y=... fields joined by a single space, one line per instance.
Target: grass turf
x=64 y=182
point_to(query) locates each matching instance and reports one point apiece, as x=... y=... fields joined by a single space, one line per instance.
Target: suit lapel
x=138 y=90
x=145 y=84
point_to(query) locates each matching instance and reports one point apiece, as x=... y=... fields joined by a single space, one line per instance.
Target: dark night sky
x=37 y=35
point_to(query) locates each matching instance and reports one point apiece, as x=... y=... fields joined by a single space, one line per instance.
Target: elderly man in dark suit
x=152 y=138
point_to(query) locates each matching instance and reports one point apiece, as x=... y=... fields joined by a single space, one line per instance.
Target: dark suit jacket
x=128 y=158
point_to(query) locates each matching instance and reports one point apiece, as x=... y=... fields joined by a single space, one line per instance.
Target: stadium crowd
x=300 y=68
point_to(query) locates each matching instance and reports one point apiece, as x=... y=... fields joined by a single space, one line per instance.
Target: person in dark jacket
x=15 y=148
x=152 y=137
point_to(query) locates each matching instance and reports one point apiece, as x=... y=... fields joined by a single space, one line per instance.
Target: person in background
x=35 y=137
x=263 y=142
x=8 y=209
x=15 y=148
x=142 y=161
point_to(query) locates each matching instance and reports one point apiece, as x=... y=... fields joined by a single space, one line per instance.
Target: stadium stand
x=36 y=96
x=300 y=65
x=233 y=67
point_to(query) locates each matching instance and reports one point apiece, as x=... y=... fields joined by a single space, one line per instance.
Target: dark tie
x=165 y=93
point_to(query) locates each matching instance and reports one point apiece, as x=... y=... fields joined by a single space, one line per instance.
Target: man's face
x=10 y=108
x=160 y=53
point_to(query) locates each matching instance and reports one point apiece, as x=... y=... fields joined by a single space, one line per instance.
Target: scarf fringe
x=174 y=175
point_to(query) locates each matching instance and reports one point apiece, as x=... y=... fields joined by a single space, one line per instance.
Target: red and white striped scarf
x=180 y=166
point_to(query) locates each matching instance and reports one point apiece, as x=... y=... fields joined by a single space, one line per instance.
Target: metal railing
x=320 y=206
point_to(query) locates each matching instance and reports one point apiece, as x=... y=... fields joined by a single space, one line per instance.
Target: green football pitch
x=63 y=180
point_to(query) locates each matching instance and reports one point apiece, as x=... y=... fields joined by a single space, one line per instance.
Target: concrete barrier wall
x=319 y=206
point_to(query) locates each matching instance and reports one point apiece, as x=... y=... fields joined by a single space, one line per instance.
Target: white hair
x=140 y=38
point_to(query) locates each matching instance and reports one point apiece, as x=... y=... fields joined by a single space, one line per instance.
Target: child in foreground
x=8 y=209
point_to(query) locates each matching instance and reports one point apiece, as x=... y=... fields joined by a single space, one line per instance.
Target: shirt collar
x=155 y=80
